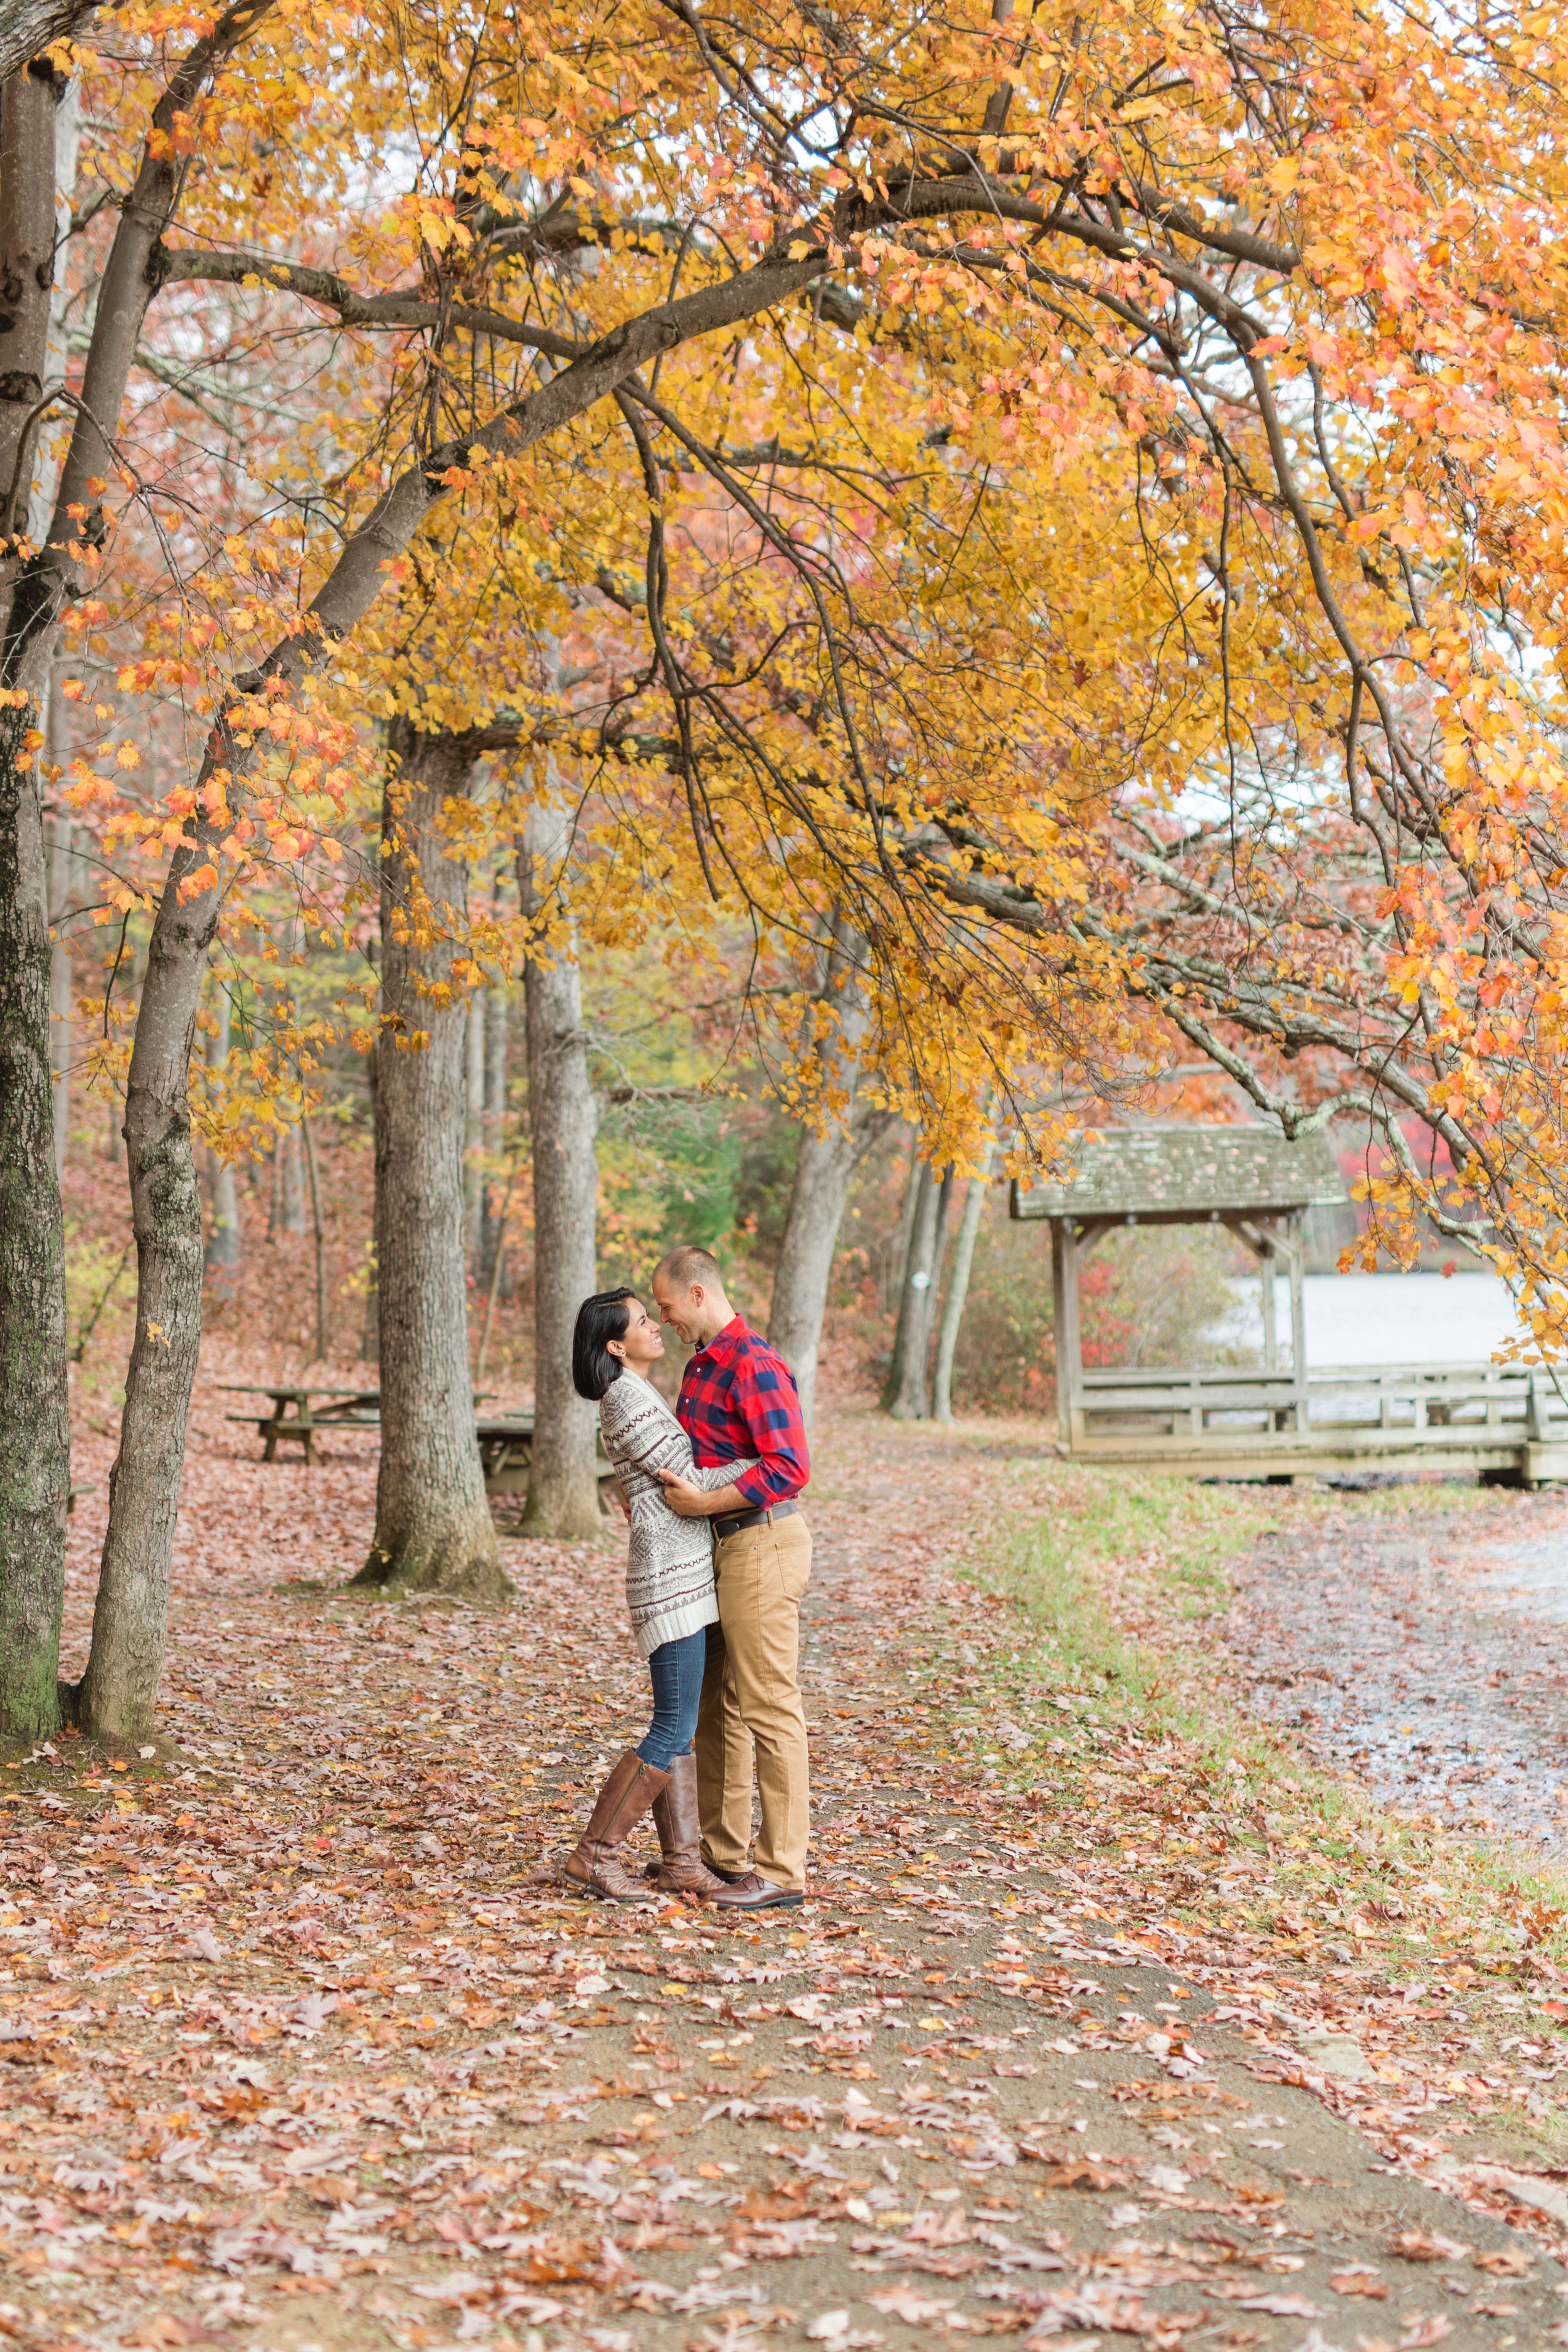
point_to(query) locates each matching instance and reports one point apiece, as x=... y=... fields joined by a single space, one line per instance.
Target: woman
x=670 y=1600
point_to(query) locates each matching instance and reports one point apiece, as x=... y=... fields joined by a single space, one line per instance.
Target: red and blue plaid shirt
x=737 y=1398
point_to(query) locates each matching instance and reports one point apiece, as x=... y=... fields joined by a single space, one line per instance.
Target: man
x=737 y=1399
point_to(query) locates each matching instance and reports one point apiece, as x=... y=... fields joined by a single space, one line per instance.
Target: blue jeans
x=675 y=1668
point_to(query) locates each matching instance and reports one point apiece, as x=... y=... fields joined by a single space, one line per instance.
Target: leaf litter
x=302 y=2054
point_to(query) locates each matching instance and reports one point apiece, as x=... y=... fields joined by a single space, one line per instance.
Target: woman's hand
x=686 y=1501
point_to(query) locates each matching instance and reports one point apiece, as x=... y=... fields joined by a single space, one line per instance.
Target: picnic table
x=506 y=1444
x=506 y=1449
x=356 y=1409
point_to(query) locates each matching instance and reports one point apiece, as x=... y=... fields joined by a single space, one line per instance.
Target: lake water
x=1384 y=1319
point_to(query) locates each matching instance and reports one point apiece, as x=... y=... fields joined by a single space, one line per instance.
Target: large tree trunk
x=62 y=984
x=907 y=1396
x=35 y=1435
x=824 y=1165
x=434 y=1532
x=62 y=889
x=564 y=1487
x=118 y=1694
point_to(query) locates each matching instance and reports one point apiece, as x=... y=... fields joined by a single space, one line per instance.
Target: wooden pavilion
x=1280 y=1420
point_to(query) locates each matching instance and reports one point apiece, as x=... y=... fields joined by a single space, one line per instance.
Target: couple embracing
x=719 y=1558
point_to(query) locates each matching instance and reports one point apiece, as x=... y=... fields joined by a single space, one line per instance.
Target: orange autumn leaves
x=1126 y=578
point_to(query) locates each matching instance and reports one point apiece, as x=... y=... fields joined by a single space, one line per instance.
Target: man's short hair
x=688 y=1265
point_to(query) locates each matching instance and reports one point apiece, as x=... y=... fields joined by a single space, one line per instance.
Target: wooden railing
x=1333 y=1400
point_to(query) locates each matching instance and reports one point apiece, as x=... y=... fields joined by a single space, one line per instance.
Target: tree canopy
x=1085 y=501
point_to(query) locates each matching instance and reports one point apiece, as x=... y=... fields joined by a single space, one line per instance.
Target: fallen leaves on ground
x=301 y=2050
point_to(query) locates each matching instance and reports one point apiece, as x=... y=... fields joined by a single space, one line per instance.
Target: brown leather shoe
x=726 y=1877
x=754 y=1893
x=593 y=1868
x=682 y=1870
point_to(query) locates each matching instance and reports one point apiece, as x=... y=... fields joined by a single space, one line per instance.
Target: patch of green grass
x=1190 y=1531
x=1105 y=1576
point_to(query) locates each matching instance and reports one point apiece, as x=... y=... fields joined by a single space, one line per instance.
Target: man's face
x=681 y=1309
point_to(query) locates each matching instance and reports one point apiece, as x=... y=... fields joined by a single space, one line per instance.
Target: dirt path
x=1422 y=1650
x=301 y=2058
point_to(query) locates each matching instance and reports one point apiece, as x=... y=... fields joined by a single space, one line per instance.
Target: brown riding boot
x=593 y=1868
x=682 y=1870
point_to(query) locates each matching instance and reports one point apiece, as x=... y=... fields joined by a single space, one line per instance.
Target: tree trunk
x=564 y=1487
x=943 y=1236
x=958 y=1288
x=62 y=987
x=473 y=1121
x=917 y=1227
x=222 y=1254
x=287 y=1210
x=498 y=1022
x=62 y=864
x=825 y=1164
x=433 y=1526
x=907 y=1396
x=319 y=1228
x=34 y=1435
x=370 y=1340
x=890 y=1285
x=117 y=1697
x=824 y=1167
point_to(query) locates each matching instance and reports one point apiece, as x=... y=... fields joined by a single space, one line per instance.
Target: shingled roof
x=1174 y=1175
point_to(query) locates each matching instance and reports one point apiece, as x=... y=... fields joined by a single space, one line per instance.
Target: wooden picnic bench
x=356 y=1409
x=506 y=1449
x=506 y=1443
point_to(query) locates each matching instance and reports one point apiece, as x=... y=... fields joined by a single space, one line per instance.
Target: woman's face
x=642 y=1344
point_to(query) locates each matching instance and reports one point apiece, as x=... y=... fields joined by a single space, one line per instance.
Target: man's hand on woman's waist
x=689 y=1502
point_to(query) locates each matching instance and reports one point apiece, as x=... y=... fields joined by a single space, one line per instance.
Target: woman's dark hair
x=598 y=1320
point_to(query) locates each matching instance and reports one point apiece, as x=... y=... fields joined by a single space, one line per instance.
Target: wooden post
x=1270 y=1319
x=1298 y=1322
x=1064 y=1299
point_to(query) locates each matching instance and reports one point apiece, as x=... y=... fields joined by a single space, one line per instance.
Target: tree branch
x=405 y=311
x=27 y=28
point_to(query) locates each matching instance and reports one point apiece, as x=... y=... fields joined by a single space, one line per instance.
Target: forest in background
x=694 y=1149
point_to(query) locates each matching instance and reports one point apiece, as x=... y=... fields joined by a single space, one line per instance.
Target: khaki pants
x=751 y=1708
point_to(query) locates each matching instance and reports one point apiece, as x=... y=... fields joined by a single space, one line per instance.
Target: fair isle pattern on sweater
x=669 y=1569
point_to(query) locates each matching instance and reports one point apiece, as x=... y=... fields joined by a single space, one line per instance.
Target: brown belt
x=722 y=1528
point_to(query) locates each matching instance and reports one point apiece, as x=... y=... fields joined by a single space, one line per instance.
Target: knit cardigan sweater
x=669 y=1570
